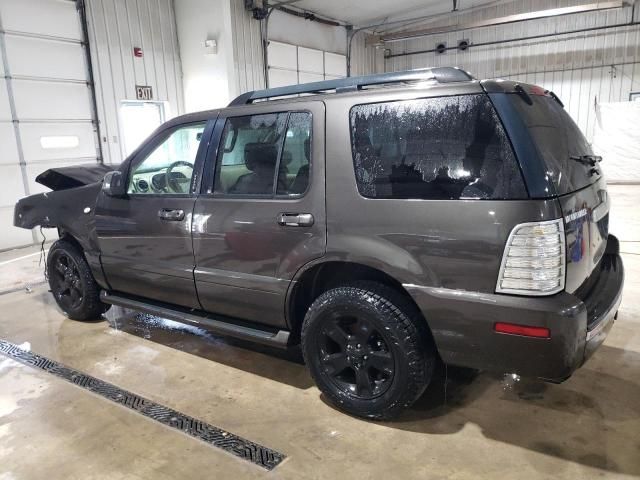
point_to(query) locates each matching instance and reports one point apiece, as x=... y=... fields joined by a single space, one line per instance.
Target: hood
x=63 y=178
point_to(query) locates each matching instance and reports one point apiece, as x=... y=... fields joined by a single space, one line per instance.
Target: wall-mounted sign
x=144 y=92
x=137 y=52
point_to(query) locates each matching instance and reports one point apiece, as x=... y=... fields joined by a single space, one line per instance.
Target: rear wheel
x=367 y=349
x=72 y=284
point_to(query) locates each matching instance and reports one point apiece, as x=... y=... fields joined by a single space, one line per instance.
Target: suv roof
x=440 y=75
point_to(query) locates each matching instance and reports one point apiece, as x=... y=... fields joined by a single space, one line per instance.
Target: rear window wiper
x=589 y=160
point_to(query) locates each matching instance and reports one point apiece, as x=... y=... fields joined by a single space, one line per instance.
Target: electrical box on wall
x=210 y=46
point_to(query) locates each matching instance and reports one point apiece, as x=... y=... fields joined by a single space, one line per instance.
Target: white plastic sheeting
x=617 y=139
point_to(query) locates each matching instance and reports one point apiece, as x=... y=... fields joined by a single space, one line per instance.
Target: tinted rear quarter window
x=434 y=148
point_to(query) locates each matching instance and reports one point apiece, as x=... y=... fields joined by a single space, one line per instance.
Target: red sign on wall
x=137 y=52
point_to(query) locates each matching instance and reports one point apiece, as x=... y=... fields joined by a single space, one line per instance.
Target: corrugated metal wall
x=582 y=68
x=247 y=49
x=115 y=28
x=365 y=60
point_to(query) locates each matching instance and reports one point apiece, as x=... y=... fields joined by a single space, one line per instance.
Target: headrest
x=255 y=154
x=307 y=148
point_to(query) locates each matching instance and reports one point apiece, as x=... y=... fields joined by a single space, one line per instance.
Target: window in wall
x=169 y=167
x=257 y=146
x=436 y=148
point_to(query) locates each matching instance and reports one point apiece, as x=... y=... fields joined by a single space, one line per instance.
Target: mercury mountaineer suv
x=383 y=222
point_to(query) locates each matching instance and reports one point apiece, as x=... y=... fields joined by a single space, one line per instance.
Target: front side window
x=169 y=167
x=264 y=155
x=435 y=148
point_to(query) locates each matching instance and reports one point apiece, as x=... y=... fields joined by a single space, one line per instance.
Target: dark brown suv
x=383 y=222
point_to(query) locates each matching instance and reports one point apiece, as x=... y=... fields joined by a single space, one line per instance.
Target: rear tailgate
x=572 y=174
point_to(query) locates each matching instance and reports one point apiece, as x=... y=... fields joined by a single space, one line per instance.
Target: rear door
x=145 y=237
x=261 y=214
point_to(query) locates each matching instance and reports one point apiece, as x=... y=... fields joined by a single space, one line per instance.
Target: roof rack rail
x=439 y=74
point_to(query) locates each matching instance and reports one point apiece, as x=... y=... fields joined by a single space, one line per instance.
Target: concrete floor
x=587 y=427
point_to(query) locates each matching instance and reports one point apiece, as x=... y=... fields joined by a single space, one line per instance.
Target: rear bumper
x=463 y=322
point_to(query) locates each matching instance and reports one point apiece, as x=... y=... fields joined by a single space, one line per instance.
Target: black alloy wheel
x=65 y=281
x=72 y=284
x=356 y=356
x=368 y=348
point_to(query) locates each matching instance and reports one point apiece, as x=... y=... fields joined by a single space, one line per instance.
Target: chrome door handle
x=171 y=215
x=295 y=219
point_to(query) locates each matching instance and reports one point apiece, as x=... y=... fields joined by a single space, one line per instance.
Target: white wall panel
x=335 y=65
x=12 y=189
x=51 y=100
x=281 y=78
x=282 y=55
x=310 y=60
x=44 y=17
x=115 y=28
x=45 y=58
x=12 y=236
x=292 y=64
x=304 y=77
x=5 y=109
x=9 y=154
x=32 y=141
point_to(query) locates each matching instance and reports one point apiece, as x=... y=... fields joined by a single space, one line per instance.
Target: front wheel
x=368 y=349
x=72 y=284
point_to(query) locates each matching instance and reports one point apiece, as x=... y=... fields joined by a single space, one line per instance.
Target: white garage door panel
x=12 y=236
x=12 y=190
x=45 y=58
x=44 y=17
x=5 y=109
x=51 y=100
x=36 y=169
x=281 y=78
x=335 y=65
x=9 y=150
x=305 y=77
x=62 y=141
x=310 y=60
x=282 y=55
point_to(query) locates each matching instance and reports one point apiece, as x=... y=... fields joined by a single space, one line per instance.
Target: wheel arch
x=320 y=277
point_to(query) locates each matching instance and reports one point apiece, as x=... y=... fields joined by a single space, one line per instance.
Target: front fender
x=68 y=210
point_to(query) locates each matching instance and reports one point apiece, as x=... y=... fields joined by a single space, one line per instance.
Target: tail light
x=533 y=262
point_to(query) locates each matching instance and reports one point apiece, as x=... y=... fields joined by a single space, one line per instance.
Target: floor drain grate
x=238 y=446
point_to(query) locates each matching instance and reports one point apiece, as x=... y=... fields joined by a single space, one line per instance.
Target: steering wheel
x=175 y=184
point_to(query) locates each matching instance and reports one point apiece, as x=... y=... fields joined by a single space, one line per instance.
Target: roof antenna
x=455 y=6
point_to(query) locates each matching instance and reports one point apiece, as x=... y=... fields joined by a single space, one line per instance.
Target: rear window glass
x=435 y=148
x=557 y=139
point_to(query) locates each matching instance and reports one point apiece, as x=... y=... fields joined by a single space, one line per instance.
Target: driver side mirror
x=113 y=184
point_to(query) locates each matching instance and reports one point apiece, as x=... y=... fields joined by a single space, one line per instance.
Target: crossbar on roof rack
x=440 y=74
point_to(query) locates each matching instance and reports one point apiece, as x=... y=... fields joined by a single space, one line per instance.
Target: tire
x=72 y=284
x=368 y=349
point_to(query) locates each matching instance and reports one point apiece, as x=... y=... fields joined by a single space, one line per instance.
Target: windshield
x=560 y=142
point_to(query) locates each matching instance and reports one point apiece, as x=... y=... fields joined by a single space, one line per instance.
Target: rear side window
x=434 y=148
x=264 y=155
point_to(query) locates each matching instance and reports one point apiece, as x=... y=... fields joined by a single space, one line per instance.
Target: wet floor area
x=468 y=424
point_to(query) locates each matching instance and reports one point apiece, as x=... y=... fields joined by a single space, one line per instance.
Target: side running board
x=214 y=323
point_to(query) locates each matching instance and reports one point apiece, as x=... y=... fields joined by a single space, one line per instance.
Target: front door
x=261 y=214
x=145 y=237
